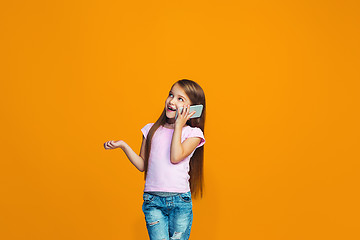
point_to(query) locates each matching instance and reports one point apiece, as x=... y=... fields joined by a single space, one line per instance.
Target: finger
x=186 y=110
x=192 y=113
x=179 y=112
x=108 y=144
x=183 y=111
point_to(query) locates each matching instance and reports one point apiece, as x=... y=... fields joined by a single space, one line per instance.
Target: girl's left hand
x=183 y=116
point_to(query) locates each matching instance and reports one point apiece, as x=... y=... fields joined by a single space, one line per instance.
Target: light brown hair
x=197 y=96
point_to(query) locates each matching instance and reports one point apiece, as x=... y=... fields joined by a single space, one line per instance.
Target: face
x=177 y=98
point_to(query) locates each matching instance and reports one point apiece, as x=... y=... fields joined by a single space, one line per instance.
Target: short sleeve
x=145 y=130
x=197 y=132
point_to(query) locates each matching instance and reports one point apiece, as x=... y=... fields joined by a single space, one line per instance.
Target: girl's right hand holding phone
x=113 y=144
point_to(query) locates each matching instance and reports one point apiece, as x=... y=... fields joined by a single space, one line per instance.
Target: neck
x=170 y=122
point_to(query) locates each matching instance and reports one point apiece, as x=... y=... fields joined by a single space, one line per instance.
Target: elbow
x=176 y=157
x=141 y=168
x=175 y=160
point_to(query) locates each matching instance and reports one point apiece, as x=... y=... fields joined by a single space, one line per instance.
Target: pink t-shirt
x=162 y=175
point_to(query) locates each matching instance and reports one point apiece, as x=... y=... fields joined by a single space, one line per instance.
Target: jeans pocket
x=185 y=197
x=148 y=198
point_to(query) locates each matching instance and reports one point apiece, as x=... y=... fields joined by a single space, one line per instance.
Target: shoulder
x=149 y=125
x=146 y=129
x=191 y=132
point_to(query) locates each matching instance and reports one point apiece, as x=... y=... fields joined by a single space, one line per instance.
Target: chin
x=170 y=116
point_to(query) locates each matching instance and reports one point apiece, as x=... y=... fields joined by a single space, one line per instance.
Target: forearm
x=176 y=149
x=134 y=158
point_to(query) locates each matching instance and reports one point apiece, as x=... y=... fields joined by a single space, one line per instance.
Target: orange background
x=281 y=80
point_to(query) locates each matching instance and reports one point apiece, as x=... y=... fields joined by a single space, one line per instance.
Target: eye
x=181 y=99
x=171 y=95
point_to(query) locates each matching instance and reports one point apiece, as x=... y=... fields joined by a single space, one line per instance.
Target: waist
x=163 y=194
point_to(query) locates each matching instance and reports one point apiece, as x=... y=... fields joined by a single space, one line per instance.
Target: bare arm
x=136 y=160
x=178 y=150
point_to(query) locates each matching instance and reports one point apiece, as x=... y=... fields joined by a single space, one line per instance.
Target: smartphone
x=197 y=108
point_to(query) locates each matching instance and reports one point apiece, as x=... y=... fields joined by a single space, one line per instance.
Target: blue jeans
x=168 y=217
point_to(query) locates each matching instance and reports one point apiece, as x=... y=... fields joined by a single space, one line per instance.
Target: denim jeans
x=168 y=217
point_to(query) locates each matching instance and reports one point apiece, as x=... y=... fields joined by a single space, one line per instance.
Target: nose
x=172 y=102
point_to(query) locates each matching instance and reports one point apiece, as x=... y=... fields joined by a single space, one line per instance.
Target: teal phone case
x=197 y=108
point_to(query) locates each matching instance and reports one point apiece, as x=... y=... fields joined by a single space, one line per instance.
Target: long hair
x=196 y=172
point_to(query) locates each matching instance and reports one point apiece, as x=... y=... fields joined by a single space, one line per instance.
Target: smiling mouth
x=171 y=109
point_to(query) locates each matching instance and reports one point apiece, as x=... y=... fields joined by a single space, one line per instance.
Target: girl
x=172 y=156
